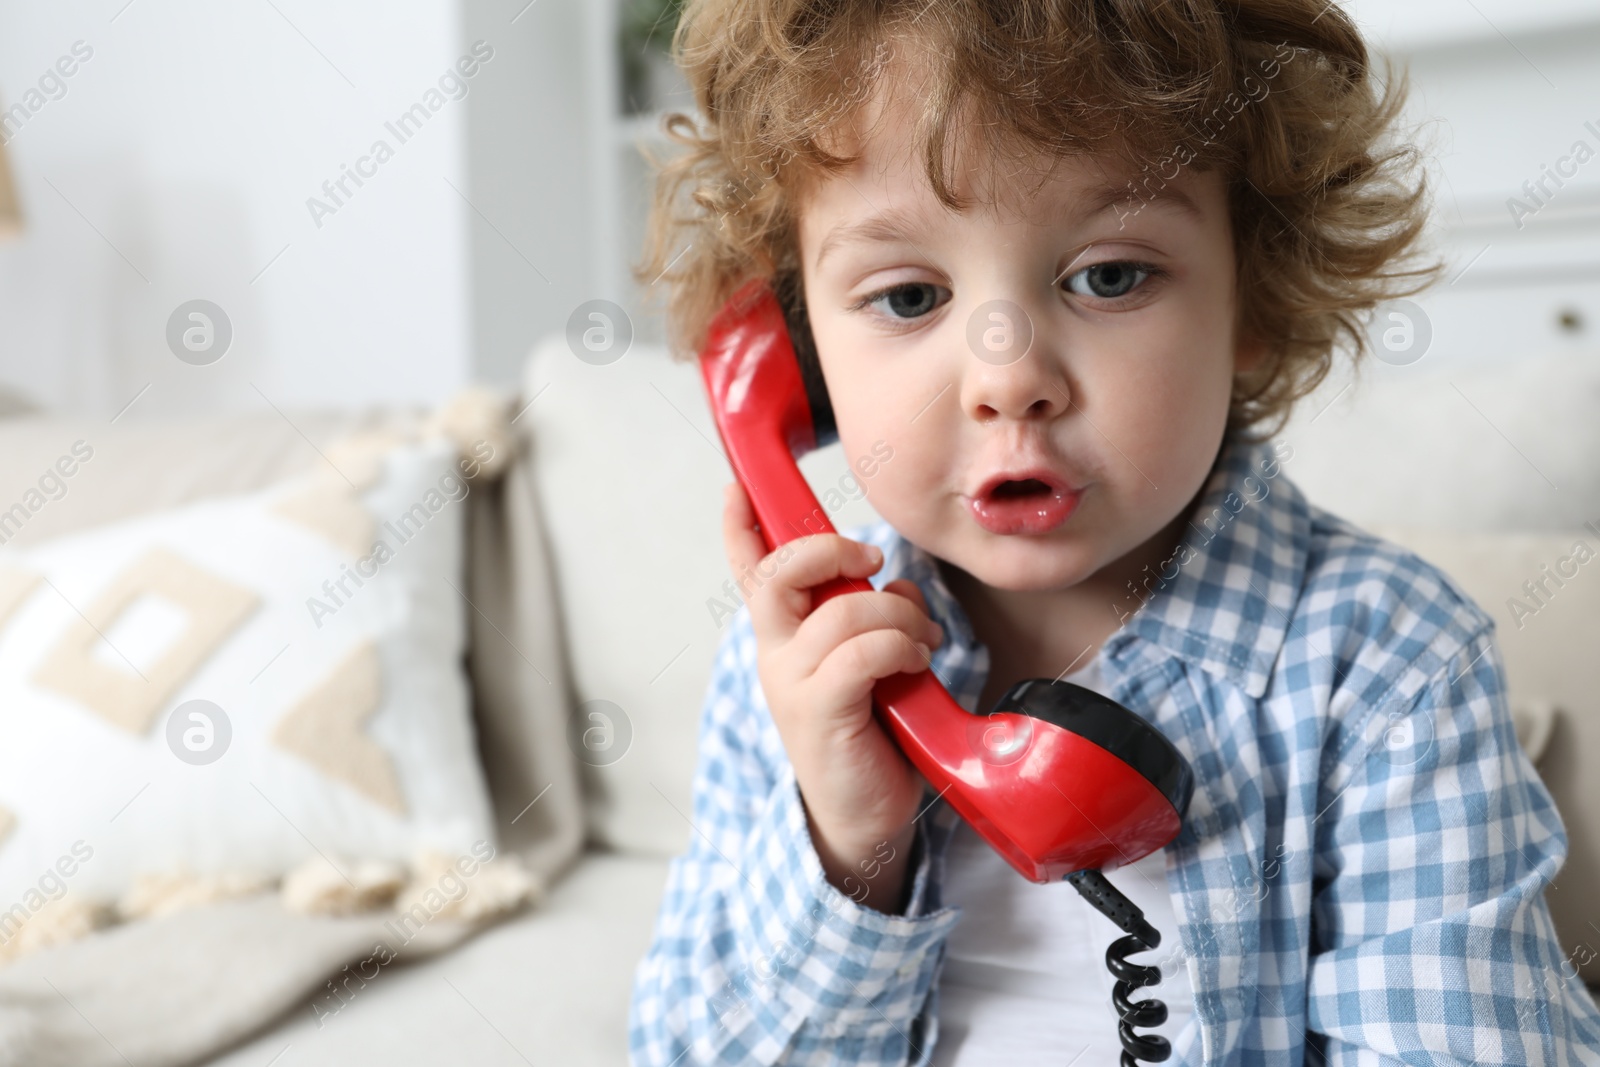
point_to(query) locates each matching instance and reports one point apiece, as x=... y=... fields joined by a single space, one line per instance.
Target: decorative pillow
x=234 y=688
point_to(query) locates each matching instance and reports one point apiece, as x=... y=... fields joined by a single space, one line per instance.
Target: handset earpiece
x=789 y=290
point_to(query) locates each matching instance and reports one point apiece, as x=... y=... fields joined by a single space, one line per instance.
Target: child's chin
x=1020 y=563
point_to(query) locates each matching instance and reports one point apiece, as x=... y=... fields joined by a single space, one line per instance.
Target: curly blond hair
x=1327 y=206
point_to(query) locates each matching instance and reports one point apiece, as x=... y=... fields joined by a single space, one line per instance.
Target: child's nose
x=1009 y=372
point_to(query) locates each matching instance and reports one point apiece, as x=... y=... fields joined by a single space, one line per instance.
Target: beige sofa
x=592 y=563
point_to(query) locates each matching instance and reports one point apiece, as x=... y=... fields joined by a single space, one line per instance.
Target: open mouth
x=1012 y=490
x=1026 y=505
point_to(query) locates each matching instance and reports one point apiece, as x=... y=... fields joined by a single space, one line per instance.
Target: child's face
x=1123 y=392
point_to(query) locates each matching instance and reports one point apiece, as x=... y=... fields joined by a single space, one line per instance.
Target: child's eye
x=1109 y=280
x=906 y=302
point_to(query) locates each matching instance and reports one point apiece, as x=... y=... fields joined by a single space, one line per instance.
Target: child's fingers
x=844 y=618
x=783 y=598
x=851 y=670
x=910 y=590
x=777 y=584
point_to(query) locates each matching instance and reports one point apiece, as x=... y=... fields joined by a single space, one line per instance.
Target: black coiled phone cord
x=1141 y=936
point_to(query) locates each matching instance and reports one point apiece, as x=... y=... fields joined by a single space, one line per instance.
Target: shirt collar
x=1225 y=599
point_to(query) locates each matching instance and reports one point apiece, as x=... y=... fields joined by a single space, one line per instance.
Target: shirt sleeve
x=1430 y=938
x=756 y=958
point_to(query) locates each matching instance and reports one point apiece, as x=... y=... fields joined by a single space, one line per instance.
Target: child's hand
x=817 y=669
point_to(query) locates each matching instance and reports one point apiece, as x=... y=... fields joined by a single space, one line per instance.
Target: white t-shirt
x=1025 y=978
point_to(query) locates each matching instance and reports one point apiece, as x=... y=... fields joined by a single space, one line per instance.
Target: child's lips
x=1024 y=502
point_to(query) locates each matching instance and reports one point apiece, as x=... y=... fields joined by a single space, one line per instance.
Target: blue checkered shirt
x=1359 y=879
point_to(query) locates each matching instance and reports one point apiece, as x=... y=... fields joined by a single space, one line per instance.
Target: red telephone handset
x=1058 y=778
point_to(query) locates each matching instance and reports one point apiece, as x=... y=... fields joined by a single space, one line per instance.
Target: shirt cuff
x=847 y=969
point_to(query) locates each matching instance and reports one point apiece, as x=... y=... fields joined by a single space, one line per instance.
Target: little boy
x=1066 y=267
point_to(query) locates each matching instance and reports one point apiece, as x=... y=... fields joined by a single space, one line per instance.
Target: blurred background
x=179 y=159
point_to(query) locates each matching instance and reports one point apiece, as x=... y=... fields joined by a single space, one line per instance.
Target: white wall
x=535 y=252
x=1409 y=24
x=1498 y=112
x=178 y=165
